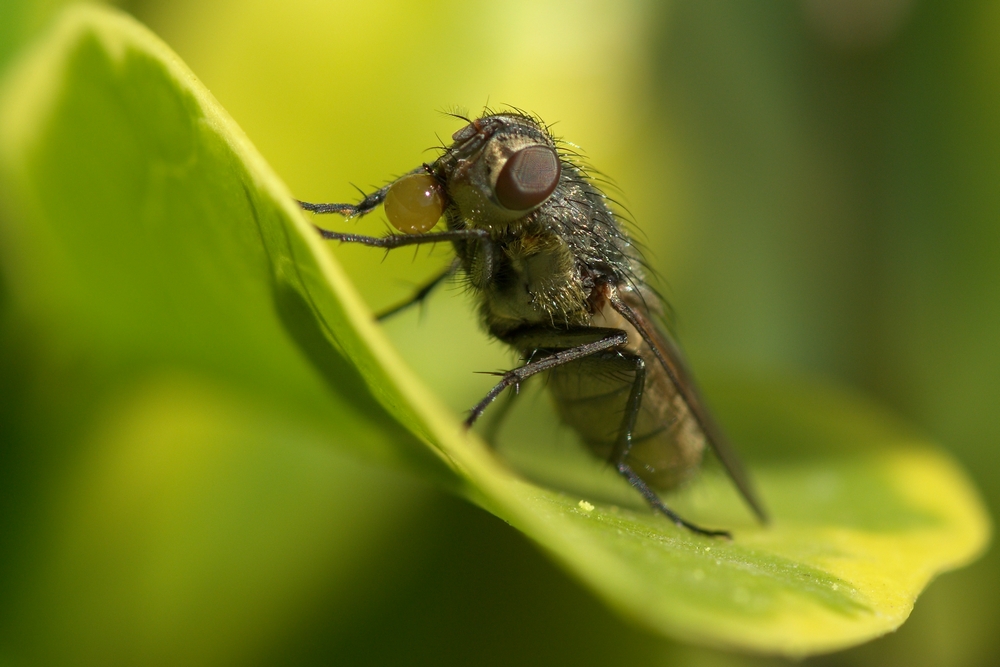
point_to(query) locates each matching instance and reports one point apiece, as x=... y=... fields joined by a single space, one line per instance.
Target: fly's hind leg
x=624 y=446
x=549 y=351
x=499 y=417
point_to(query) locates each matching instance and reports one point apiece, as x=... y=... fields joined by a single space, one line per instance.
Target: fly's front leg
x=391 y=241
x=363 y=207
x=624 y=446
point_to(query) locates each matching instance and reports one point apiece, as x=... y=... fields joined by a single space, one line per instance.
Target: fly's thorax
x=535 y=281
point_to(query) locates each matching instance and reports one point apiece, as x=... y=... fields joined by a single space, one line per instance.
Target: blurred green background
x=817 y=182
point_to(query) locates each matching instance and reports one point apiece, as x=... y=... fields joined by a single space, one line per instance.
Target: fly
x=558 y=279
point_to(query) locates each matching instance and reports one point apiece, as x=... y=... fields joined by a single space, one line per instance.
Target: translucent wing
x=670 y=357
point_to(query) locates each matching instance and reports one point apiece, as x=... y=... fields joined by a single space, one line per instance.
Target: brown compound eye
x=528 y=178
x=414 y=203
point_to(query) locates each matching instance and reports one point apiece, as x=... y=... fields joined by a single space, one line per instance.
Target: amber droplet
x=414 y=203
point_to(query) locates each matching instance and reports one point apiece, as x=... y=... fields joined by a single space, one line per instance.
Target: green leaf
x=143 y=237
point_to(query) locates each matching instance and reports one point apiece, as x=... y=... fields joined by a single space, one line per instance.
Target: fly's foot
x=658 y=505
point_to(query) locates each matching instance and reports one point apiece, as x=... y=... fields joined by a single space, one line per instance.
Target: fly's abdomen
x=591 y=396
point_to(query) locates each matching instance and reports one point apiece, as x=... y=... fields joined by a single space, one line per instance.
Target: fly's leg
x=392 y=241
x=670 y=358
x=363 y=207
x=420 y=295
x=599 y=340
x=607 y=339
x=498 y=416
x=624 y=446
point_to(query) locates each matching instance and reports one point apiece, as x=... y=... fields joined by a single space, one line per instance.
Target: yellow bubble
x=414 y=203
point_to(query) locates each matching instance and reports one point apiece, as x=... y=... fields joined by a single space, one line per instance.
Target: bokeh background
x=816 y=181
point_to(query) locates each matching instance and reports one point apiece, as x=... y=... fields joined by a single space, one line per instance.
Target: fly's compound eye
x=414 y=203
x=528 y=178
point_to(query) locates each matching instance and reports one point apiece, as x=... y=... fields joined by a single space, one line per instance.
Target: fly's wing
x=670 y=357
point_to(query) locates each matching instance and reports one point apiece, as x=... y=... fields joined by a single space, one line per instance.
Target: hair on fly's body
x=558 y=279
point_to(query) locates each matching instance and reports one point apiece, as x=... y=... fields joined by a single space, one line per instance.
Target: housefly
x=558 y=279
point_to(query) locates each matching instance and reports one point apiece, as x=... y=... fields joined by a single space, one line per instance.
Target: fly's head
x=499 y=169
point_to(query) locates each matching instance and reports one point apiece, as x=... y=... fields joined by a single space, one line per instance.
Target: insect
x=559 y=280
